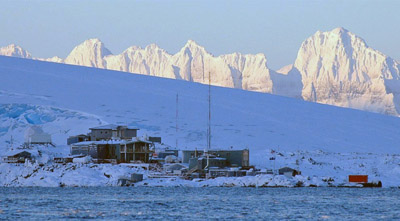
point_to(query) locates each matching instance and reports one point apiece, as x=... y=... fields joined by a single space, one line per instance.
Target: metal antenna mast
x=177 y=108
x=209 y=124
x=209 y=111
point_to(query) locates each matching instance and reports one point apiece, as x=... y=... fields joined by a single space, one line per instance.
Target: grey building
x=97 y=149
x=287 y=171
x=123 y=151
x=77 y=139
x=239 y=158
x=213 y=173
x=167 y=152
x=83 y=148
x=112 y=131
x=18 y=157
x=201 y=162
x=155 y=139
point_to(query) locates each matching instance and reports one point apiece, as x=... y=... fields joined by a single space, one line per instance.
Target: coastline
x=102 y=175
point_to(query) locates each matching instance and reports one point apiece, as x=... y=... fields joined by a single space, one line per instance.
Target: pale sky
x=276 y=28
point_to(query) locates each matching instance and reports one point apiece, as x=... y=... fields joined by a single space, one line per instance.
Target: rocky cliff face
x=335 y=67
x=90 y=53
x=338 y=68
x=14 y=51
x=191 y=63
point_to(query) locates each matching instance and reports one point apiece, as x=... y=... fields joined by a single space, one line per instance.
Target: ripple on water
x=199 y=203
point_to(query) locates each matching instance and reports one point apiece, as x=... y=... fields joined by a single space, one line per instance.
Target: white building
x=36 y=135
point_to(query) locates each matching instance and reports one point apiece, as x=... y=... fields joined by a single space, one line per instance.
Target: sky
x=274 y=27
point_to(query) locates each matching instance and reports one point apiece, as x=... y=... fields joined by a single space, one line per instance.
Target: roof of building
x=112 y=127
x=84 y=143
x=138 y=140
x=134 y=140
x=217 y=150
x=286 y=169
x=18 y=151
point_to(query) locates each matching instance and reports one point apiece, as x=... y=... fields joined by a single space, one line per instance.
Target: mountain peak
x=193 y=44
x=337 y=63
x=340 y=30
x=133 y=48
x=93 y=44
x=94 y=41
x=14 y=51
x=338 y=36
x=192 y=47
x=89 y=53
x=153 y=47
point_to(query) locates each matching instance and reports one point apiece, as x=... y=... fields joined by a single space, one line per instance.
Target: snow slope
x=239 y=118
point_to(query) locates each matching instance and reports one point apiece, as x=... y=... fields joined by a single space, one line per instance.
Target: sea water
x=181 y=203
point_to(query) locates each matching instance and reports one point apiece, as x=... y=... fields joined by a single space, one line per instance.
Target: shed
x=289 y=172
x=239 y=158
x=358 y=178
x=155 y=139
x=112 y=131
x=18 y=158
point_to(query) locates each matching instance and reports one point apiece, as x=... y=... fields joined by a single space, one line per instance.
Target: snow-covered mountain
x=15 y=51
x=339 y=68
x=335 y=67
x=90 y=53
x=191 y=63
x=194 y=63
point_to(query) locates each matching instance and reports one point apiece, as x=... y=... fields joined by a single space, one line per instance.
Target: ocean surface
x=179 y=203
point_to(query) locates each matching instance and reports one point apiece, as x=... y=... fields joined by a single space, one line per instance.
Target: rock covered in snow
x=14 y=51
x=90 y=53
x=85 y=159
x=194 y=63
x=55 y=59
x=338 y=68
